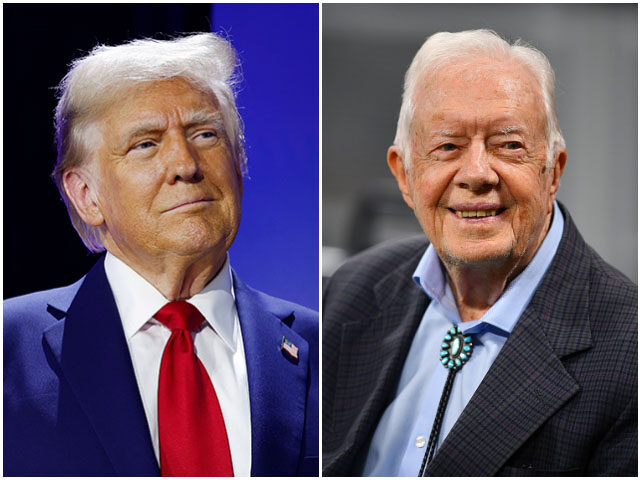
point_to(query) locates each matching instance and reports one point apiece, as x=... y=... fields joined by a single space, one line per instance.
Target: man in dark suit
x=506 y=346
x=160 y=360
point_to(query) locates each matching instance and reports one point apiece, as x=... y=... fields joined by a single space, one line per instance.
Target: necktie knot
x=179 y=315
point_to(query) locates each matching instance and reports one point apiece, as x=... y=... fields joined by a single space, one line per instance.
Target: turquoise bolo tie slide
x=455 y=351
x=456 y=348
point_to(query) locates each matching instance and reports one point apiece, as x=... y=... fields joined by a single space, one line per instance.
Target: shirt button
x=421 y=441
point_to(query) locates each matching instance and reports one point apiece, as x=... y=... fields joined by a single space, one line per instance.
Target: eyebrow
x=203 y=117
x=503 y=130
x=192 y=119
x=143 y=128
x=510 y=129
x=447 y=133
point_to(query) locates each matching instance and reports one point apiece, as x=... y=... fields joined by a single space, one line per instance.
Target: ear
x=82 y=193
x=396 y=164
x=556 y=173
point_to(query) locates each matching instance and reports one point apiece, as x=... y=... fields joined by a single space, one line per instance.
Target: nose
x=183 y=162
x=475 y=172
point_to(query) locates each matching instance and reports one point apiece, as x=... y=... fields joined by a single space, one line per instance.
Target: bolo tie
x=455 y=351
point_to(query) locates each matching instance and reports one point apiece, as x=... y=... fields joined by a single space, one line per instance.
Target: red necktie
x=193 y=438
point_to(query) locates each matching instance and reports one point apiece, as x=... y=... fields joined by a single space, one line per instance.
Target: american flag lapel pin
x=289 y=348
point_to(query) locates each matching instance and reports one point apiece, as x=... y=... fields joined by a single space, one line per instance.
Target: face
x=477 y=182
x=163 y=180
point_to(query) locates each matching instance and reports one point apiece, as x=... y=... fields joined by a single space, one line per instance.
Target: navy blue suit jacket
x=72 y=406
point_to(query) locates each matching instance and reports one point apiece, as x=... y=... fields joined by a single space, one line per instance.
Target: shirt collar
x=138 y=300
x=431 y=276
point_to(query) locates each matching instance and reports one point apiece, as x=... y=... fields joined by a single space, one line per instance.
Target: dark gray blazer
x=560 y=398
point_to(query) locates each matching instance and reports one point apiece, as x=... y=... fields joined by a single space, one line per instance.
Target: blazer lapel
x=277 y=382
x=527 y=383
x=89 y=346
x=373 y=353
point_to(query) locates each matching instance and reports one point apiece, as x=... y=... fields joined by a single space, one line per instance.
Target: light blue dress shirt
x=400 y=439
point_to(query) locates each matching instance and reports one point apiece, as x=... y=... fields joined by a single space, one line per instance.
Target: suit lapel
x=277 y=382
x=373 y=352
x=527 y=382
x=90 y=349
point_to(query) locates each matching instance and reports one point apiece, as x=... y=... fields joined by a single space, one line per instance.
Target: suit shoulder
x=360 y=273
x=286 y=306
x=25 y=319
x=612 y=289
x=24 y=310
x=298 y=317
x=378 y=261
x=350 y=294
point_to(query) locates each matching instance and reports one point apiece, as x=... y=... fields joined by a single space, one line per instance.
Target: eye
x=144 y=145
x=512 y=145
x=448 y=147
x=206 y=135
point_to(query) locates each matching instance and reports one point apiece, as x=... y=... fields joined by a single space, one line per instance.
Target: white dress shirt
x=218 y=346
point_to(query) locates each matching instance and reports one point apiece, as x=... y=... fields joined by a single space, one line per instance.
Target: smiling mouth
x=477 y=213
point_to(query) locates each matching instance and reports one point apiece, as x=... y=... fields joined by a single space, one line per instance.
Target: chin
x=196 y=245
x=197 y=235
x=475 y=256
x=190 y=249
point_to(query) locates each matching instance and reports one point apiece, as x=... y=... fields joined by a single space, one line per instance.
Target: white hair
x=444 y=47
x=205 y=60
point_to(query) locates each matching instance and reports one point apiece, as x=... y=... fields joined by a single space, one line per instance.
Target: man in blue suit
x=160 y=360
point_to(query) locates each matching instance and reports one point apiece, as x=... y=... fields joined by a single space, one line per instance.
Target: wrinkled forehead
x=153 y=106
x=481 y=92
x=467 y=78
x=114 y=97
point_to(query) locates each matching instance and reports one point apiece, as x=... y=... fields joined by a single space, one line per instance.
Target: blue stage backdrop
x=277 y=246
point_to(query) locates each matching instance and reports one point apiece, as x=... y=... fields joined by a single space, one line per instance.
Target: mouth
x=480 y=213
x=193 y=202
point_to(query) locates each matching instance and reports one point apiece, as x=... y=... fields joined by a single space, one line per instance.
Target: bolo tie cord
x=456 y=349
x=437 y=423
